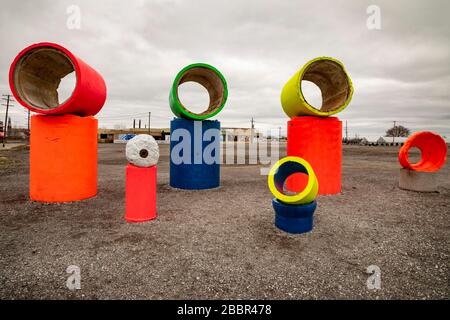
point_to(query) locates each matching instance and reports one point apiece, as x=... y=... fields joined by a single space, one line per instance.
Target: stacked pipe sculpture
x=312 y=134
x=142 y=153
x=63 y=141
x=195 y=141
x=421 y=176
x=293 y=212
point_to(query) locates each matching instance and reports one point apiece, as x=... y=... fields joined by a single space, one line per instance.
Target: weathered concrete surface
x=418 y=181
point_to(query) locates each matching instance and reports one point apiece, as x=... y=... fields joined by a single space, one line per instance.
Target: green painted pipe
x=211 y=79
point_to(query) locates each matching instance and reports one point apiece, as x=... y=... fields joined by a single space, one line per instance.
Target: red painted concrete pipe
x=140 y=195
x=36 y=73
x=432 y=147
x=318 y=140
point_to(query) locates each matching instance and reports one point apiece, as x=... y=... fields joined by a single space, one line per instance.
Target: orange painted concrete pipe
x=140 y=195
x=63 y=158
x=318 y=140
x=432 y=147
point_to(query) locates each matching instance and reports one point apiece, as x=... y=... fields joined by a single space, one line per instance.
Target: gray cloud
x=401 y=72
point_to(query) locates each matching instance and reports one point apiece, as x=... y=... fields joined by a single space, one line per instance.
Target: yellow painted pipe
x=286 y=167
x=334 y=83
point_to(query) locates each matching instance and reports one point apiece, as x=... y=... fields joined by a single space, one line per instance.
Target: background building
x=239 y=134
x=122 y=135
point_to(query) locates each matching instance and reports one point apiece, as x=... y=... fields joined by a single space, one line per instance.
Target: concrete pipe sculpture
x=195 y=141
x=210 y=78
x=36 y=73
x=194 y=154
x=142 y=152
x=312 y=133
x=63 y=142
x=293 y=211
x=334 y=83
x=286 y=167
x=294 y=218
x=421 y=176
x=432 y=147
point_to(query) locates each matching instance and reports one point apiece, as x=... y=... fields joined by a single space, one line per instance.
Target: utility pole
x=8 y=100
x=279 y=133
x=149 y=116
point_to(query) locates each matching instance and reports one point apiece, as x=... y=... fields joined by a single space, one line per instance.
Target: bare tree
x=398 y=131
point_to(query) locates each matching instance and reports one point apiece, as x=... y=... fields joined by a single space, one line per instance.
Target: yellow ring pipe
x=334 y=83
x=282 y=170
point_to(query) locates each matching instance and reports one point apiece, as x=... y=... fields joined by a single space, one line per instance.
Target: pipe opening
x=414 y=155
x=212 y=83
x=289 y=170
x=194 y=95
x=333 y=82
x=44 y=78
x=143 y=153
x=312 y=93
x=433 y=152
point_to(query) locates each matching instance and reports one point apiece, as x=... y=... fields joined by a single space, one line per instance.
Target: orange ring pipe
x=432 y=147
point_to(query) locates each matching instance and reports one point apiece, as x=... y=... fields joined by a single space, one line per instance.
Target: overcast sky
x=401 y=72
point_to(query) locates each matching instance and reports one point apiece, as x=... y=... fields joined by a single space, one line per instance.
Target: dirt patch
x=222 y=243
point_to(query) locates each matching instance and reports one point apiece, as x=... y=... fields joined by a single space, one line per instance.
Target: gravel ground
x=222 y=243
